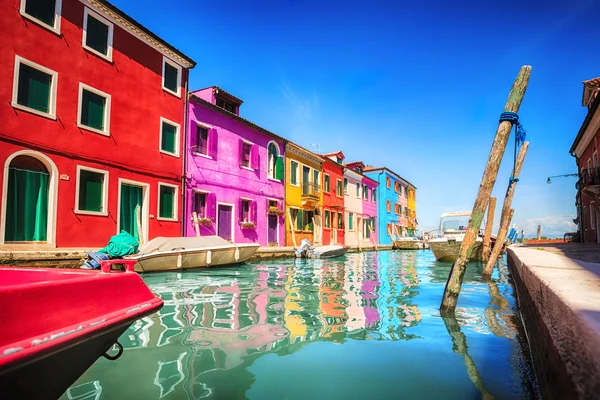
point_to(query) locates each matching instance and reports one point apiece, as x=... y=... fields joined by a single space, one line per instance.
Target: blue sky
x=415 y=86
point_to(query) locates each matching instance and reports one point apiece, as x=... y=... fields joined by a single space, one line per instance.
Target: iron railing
x=590 y=177
x=311 y=189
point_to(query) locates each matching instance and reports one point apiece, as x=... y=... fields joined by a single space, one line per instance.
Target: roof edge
x=586 y=123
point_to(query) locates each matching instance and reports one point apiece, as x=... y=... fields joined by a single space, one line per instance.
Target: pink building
x=234 y=172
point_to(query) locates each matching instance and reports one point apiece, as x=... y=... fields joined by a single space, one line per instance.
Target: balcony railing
x=590 y=177
x=311 y=189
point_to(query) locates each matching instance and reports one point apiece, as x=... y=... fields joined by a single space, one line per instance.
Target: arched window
x=388 y=206
x=273 y=151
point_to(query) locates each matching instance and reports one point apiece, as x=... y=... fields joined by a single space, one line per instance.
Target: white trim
x=57 y=14
x=247 y=198
x=178 y=68
x=201 y=191
x=15 y=94
x=232 y=219
x=145 y=205
x=203 y=125
x=106 y=131
x=271 y=174
x=175 y=203
x=177 y=137
x=52 y=193
x=104 y=211
x=326 y=175
x=109 y=40
x=341 y=185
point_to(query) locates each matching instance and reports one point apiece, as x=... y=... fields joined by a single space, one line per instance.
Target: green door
x=131 y=197
x=26 y=206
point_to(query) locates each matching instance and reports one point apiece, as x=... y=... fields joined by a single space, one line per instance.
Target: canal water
x=356 y=327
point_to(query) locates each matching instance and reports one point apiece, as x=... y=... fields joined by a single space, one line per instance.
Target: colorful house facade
x=353 y=204
x=585 y=150
x=333 y=199
x=412 y=210
x=303 y=195
x=365 y=214
x=402 y=207
x=92 y=113
x=234 y=173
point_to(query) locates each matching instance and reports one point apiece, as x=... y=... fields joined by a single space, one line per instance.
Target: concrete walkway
x=559 y=298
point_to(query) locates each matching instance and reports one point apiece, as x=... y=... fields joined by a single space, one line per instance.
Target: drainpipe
x=183 y=166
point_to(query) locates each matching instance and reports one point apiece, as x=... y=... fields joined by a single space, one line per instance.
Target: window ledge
x=55 y=30
x=169 y=153
x=291 y=184
x=167 y=219
x=247 y=168
x=93 y=213
x=33 y=111
x=176 y=94
x=202 y=155
x=97 y=53
x=94 y=130
x=274 y=180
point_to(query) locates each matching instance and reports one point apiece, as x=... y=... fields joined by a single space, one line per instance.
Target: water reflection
x=217 y=323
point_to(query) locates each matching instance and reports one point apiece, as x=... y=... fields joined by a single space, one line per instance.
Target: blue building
x=392 y=207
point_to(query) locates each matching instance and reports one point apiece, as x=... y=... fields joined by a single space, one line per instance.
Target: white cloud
x=553 y=225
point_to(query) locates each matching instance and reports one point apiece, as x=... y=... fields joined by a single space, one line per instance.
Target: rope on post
x=520 y=136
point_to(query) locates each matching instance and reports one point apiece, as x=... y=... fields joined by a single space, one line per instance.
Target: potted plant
x=247 y=225
x=204 y=221
x=273 y=210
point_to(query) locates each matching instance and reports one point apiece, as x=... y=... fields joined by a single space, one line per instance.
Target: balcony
x=311 y=190
x=589 y=181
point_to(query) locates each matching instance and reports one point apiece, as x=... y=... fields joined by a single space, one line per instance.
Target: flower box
x=247 y=225
x=275 y=211
x=205 y=222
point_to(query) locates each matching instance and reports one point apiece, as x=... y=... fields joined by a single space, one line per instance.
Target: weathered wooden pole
x=500 y=239
x=539 y=232
x=488 y=228
x=508 y=198
x=196 y=223
x=490 y=174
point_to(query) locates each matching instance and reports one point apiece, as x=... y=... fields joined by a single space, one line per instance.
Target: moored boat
x=408 y=243
x=58 y=322
x=453 y=226
x=305 y=250
x=173 y=253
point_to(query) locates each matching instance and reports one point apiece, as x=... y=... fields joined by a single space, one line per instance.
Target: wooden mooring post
x=488 y=228
x=490 y=174
x=539 y=232
x=506 y=209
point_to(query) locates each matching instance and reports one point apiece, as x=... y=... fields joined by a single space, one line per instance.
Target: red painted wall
x=134 y=81
x=588 y=230
x=330 y=200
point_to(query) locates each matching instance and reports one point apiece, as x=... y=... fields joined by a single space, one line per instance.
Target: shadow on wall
x=250 y=234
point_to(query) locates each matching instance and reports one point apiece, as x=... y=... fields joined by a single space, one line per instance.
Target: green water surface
x=363 y=326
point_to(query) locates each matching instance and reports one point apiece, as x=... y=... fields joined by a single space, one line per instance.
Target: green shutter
x=26 y=206
x=294 y=173
x=279 y=168
x=169 y=138
x=92 y=110
x=345 y=185
x=299 y=220
x=97 y=35
x=350 y=223
x=34 y=88
x=131 y=197
x=167 y=202
x=170 y=77
x=91 y=185
x=42 y=10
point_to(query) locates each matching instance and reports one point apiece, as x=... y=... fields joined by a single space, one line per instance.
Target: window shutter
x=279 y=168
x=254 y=157
x=241 y=209
x=254 y=212
x=213 y=142
x=241 y=152
x=195 y=137
x=211 y=206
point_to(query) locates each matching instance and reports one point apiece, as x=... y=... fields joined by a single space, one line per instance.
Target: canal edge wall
x=559 y=301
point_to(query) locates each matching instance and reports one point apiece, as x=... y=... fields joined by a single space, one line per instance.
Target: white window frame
x=20 y=60
x=175 y=203
x=341 y=186
x=57 y=14
x=345 y=183
x=250 y=167
x=358 y=192
x=208 y=128
x=104 y=211
x=109 y=46
x=179 y=71
x=271 y=174
x=298 y=167
x=373 y=195
x=328 y=177
x=177 y=137
x=106 y=131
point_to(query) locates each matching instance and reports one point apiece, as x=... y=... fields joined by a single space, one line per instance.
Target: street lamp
x=559 y=176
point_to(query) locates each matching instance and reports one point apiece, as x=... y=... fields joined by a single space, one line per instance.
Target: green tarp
x=26 y=206
x=120 y=245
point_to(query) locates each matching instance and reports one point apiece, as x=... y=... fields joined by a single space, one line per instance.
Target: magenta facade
x=234 y=182
x=369 y=208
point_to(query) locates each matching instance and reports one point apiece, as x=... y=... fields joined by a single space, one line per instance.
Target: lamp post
x=559 y=176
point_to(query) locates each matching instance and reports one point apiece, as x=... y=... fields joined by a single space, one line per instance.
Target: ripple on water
x=364 y=325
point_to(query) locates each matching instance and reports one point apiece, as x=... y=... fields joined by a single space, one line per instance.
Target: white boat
x=305 y=250
x=453 y=226
x=408 y=243
x=174 y=253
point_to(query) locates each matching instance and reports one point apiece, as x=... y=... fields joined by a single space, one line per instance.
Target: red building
x=585 y=150
x=92 y=113
x=333 y=198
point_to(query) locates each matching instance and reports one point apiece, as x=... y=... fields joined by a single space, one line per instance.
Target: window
x=327 y=219
x=396 y=208
x=308 y=220
x=345 y=185
x=405 y=191
x=592 y=215
x=358 y=190
x=595 y=159
x=339 y=160
x=326 y=183
x=200 y=204
x=340 y=219
x=316 y=179
x=388 y=182
x=365 y=192
x=396 y=187
x=202 y=140
x=275 y=162
x=245 y=156
x=45 y=12
x=91 y=191
x=297 y=216
x=167 y=202
x=169 y=137
x=171 y=81
x=589 y=163
x=338 y=188
x=93 y=110
x=97 y=34
x=245 y=211
x=388 y=206
x=226 y=105
x=34 y=88
x=400 y=209
x=350 y=221
x=374 y=196
x=389 y=229
x=406 y=211
x=294 y=173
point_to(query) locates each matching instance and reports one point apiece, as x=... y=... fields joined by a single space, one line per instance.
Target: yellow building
x=303 y=195
x=412 y=210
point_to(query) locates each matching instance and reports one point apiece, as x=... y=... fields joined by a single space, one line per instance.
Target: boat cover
x=182 y=243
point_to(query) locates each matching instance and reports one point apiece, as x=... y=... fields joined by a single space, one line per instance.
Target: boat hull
x=338 y=251
x=445 y=250
x=408 y=244
x=195 y=258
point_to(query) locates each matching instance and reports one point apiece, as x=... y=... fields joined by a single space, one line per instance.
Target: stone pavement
x=589 y=252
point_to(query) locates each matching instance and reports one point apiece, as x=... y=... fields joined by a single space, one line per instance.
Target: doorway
x=272 y=227
x=225 y=222
x=132 y=197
